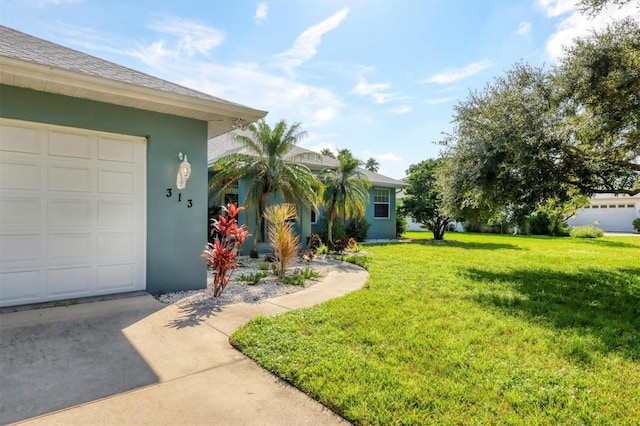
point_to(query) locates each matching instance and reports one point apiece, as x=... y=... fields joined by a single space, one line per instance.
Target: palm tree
x=346 y=190
x=269 y=168
x=372 y=165
x=327 y=152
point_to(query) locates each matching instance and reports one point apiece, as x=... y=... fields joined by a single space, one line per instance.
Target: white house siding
x=609 y=213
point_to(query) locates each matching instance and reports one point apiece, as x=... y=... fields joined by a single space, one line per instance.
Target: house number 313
x=169 y=194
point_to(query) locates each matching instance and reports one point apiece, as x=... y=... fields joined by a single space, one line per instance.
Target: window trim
x=387 y=203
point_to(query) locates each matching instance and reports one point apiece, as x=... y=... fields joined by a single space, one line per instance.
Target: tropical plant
x=222 y=253
x=327 y=152
x=269 y=167
x=252 y=278
x=372 y=165
x=346 y=191
x=282 y=237
x=299 y=277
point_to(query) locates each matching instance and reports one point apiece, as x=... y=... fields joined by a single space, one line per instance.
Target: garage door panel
x=70 y=212
x=70 y=178
x=116 y=150
x=115 y=213
x=20 y=139
x=70 y=145
x=119 y=277
x=116 y=181
x=20 y=175
x=19 y=212
x=76 y=247
x=21 y=286
x=70 y=281
x=20 y=249
x=116 y=244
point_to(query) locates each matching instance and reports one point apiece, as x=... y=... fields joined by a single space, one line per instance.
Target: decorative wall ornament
x=184 y=171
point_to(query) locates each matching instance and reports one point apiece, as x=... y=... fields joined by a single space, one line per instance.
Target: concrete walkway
x=201 y=379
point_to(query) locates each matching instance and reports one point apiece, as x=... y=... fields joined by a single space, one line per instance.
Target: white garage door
x=72 y=213
x=613 y=217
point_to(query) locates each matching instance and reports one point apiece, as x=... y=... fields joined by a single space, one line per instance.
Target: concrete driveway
x=60 y=357
x=136 y=361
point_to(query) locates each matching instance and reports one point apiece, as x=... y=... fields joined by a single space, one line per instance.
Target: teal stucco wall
x=382 y=228
x=176 y=235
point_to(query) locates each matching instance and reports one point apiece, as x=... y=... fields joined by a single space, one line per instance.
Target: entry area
x=72 y=213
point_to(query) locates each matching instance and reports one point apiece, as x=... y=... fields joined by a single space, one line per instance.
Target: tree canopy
x=372 y=165
x=423 y=202
x=534 y=134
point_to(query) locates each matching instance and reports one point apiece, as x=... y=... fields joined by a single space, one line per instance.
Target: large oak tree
x=534 y=135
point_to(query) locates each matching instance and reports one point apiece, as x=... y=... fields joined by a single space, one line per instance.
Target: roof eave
x=220 y=116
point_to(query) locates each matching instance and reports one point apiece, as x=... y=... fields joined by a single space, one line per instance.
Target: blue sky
x=378 y=77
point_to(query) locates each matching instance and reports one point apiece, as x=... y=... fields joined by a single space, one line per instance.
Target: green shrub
x=636 y=224
x=357 y=229
x=402 y=225
x=263 y=265
x=299 y=277
x=337 y=230
x=323 y=249
x=253 y=278
x=539 y=223
x=588 y=231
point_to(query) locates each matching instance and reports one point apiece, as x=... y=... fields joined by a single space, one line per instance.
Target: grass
x=487 y=330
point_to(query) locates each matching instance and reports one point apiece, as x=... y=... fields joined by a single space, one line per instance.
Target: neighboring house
x=88 y=163
x=380 y=213
x=609 y=212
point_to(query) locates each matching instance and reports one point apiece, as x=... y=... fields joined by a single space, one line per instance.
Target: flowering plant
x=221 y=255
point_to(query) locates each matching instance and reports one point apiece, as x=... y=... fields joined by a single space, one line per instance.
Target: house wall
x=176 y=234
x=381 y=229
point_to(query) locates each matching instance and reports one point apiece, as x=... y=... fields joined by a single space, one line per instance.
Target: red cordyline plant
x=222 y=254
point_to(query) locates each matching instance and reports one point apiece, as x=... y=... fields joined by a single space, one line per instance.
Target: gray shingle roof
x=18 y=45
x=224 y=145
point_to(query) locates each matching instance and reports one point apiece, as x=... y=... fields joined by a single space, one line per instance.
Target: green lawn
x=486 y=330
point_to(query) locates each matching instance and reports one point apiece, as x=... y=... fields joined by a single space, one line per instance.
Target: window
x=314 y=215
x=630 y=205
x=381 y=203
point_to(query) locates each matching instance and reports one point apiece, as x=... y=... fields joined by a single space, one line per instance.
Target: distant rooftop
x=224 y=145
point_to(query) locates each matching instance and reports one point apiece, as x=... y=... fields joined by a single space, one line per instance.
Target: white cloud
x=454 y=74
x=524 y=28
x=436 y=101
x=306 y=45
x=578 y=25
x=404 y=109
x=245 y=83
x=555 y=8
x=388 y=156
x=261 y=11
x=378 y=91
x=188 y=39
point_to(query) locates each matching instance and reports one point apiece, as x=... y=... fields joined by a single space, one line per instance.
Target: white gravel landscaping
x=242 y=292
